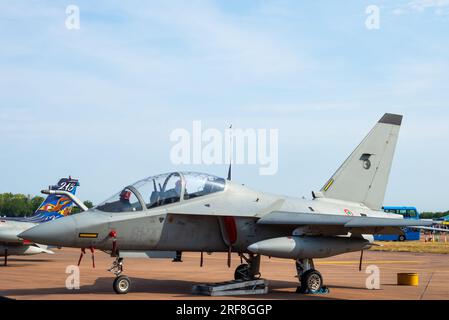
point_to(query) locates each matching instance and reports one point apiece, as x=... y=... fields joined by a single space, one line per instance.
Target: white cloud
x=439 y=7
x=421 y=5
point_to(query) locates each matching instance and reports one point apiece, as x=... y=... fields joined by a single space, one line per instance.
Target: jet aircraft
x=196 y=212
x=53 y=207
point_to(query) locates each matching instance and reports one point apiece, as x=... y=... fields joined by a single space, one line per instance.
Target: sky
x=100 y=102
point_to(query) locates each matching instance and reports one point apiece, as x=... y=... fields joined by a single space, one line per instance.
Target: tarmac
x=44 y=277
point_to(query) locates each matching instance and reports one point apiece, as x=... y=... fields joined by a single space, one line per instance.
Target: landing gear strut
x=6 y=257
x=248 y=270
x=310 y=279
x=122 y=283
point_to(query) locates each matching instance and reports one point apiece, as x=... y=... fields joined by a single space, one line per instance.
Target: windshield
x=164 y=189
x=124 y=201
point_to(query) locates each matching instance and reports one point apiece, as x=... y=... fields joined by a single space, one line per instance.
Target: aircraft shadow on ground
x=181 y=288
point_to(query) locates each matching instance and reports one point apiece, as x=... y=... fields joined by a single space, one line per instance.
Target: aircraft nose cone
x=60 y=232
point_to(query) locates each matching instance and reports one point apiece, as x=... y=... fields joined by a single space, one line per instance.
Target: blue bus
x=409 y=234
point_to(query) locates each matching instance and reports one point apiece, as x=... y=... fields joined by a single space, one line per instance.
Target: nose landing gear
x=121 y=284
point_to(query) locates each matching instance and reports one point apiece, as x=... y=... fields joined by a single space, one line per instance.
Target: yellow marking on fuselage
x=88 y=235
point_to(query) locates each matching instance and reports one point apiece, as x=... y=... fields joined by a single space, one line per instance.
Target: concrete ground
x=44 y=277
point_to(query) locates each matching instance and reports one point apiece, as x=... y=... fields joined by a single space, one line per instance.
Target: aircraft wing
x=430 y=229
x=295 y=218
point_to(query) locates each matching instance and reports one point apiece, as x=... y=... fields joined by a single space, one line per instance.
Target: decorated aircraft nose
x=60 y=232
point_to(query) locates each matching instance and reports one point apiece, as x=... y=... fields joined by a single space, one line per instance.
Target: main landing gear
x=121 y=284
x=311 y=281
x=249 y=270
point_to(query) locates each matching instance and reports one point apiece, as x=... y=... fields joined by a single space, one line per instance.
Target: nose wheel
x=121 y=284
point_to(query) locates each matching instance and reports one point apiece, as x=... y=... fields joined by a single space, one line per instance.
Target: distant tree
x=36 y=202
x=87 y=203
x=18 y=205
x=433 y=215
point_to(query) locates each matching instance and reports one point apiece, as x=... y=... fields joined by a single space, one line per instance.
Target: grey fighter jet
x=195 y=212
x=53 y=207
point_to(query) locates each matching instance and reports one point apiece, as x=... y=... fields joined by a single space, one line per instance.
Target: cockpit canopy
x=162 y=190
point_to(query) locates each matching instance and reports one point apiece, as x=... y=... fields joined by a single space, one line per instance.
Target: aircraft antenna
x=230 y=155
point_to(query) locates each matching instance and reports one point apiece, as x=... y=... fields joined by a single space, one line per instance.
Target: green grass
x=412 y=246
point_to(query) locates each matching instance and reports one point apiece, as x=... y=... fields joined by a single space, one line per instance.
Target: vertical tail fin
x=363 y=177
x=56 y=206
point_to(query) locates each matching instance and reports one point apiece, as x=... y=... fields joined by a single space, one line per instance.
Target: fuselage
x=196 y=224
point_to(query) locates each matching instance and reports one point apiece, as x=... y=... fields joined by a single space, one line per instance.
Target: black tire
x=311 y=281
x=122 y=285
x=401 y=238
x=242 y=272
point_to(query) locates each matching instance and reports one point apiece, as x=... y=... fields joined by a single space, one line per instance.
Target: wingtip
x=390 y=118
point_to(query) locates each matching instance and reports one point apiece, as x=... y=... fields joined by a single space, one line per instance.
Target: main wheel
x=311 y=281
x=121 y=285
x=401 y=238
x=242 y=272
